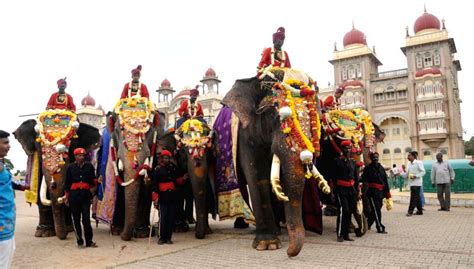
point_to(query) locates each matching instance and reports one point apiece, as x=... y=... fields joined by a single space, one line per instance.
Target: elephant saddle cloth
x=352 y=125
x=231 y=203
x=55 y=130
x=196 y=136
x=296 y=100
x=135 y=117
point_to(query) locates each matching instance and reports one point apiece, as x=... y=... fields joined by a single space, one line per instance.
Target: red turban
x=61 y=81
x=166 y=153
x=279 y=34
x=79 y=151
x=340 y=90
x=137 y=70
x=194 y=92
x=346 y=143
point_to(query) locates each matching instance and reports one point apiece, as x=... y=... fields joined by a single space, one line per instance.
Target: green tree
x=469 y=146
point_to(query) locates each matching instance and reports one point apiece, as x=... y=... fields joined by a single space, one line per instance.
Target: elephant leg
x=199 y=188
x=68 y=219
x=189 y=201
x=180 y=224
x=45 y=226
x=142 y=227
x=256 y=170
x=118 y=219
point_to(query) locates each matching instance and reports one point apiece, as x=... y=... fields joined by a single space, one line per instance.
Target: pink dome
x=165 y=83
x=210 y=72
x=354 y=36
x=426 y=21
x=88 y=101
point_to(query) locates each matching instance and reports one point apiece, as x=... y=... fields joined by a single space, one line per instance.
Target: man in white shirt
x=442 y=175
x=414 y=174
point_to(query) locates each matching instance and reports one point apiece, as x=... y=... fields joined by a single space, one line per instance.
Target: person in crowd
x=414 y=174
x=442 y=176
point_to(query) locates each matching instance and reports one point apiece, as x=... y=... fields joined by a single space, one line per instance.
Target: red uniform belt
x=166 y=186
x=376 y=186
x=80 y=186
x=345 y=183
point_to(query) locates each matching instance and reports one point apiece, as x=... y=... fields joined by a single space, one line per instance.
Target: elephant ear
x=26 y=135
x=88 y=136
x=379 y=133
x=244 y=98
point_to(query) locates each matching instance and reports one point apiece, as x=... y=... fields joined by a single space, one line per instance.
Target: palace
x=418 y=107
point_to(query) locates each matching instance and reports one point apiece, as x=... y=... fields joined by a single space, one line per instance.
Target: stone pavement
x=457 y=199
x=436 y=239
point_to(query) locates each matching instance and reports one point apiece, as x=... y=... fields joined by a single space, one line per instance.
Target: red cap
x=79 y=151
x=279 y=34
x=61 y=81
x=346 y=143
x=137 y=70
x=340 y=90
x=194 y=92
x=166 y=153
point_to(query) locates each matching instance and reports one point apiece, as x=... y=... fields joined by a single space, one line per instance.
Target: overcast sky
x=97 y=43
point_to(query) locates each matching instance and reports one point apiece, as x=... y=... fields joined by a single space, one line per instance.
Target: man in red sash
x=190 y=109
x=275 y=56
x=135 y=87
x=332 y=101
x=60 y=99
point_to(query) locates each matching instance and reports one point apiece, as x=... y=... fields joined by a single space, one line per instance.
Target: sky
x=95 y=44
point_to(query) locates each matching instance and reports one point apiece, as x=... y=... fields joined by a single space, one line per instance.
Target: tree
x=469 y=146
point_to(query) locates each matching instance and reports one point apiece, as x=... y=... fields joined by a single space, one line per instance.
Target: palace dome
x=88 y=101
x=354 y=36
x=426 y=21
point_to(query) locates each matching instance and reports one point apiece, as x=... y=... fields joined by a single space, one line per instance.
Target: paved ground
x=436 y=239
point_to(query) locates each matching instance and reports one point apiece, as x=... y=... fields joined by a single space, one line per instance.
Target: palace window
x=419 y=61
x=386 y=151
x=379 y=97
x=426 y=153
x=427 y=60
x=390 y=95
x=359 y=72
x=344 y=74
x=396 y=131
x=402 y=94
x=351 y=71
x=444 y=151
x=407 y=150
x=397 y=150
x=437 y=58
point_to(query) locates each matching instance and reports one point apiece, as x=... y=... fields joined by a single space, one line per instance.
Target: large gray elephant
x=262 y=143
x=134 y=158
x=53 y=215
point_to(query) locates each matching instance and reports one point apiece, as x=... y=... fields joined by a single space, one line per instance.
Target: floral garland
x=53 y=138
x=130 y=119
x=290 y=123
x=192 y=134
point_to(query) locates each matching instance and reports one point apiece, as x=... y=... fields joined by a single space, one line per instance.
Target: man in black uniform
x=346 y=182
x=376 y=178
x=166 y=177
x=80 y=179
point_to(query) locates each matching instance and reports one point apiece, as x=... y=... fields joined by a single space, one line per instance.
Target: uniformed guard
x=346 y=182
x=165 y=178
x=376 y=178
x=80 y=179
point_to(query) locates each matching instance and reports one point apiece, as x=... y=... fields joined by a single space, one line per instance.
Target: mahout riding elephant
x=263 y=149
x=54 y=217
x=134 y=129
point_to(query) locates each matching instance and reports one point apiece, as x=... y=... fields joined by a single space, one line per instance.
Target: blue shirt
x=7 y=206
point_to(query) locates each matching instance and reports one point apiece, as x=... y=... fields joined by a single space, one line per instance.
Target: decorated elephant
x=265 y=127
x=192 y=144
x=133 y=127
x=49 y=143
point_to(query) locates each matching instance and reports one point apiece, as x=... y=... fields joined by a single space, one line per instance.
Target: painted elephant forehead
x=294 y=74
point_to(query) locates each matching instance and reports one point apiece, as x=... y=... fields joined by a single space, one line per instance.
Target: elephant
x=197 y=161
x=54 y=217
x=133 y=142
x=261 y=144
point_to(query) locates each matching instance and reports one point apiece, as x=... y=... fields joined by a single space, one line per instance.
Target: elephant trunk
x=131 y=205
x=59 y=216
x=198 y=176
x=296 y=231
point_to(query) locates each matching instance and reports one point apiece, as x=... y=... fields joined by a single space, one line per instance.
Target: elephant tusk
x=44 y=200
x=120 y=165
x=275 y=179
x=322 y=183
x=125 y=184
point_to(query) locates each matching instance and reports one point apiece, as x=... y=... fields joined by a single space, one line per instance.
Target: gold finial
x=406 y=29
x=424 y=7
x=335 y=46
x=373 y=49
x=444 y=26
x=353 y=27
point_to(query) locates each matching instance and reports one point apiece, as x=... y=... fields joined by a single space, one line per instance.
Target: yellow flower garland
x=58 y=136
x=294 y=116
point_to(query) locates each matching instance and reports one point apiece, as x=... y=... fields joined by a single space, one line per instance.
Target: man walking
x=442 y=175
x=415 y=173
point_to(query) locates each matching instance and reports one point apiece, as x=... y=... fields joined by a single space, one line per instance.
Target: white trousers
x=7 y=248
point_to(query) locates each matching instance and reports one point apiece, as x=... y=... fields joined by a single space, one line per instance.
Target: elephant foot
x=240 y=223
x=266 y=244
x=45 y=231
x=181 y=227
x=209 y=230
x=114 y=230
x=143 y=232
